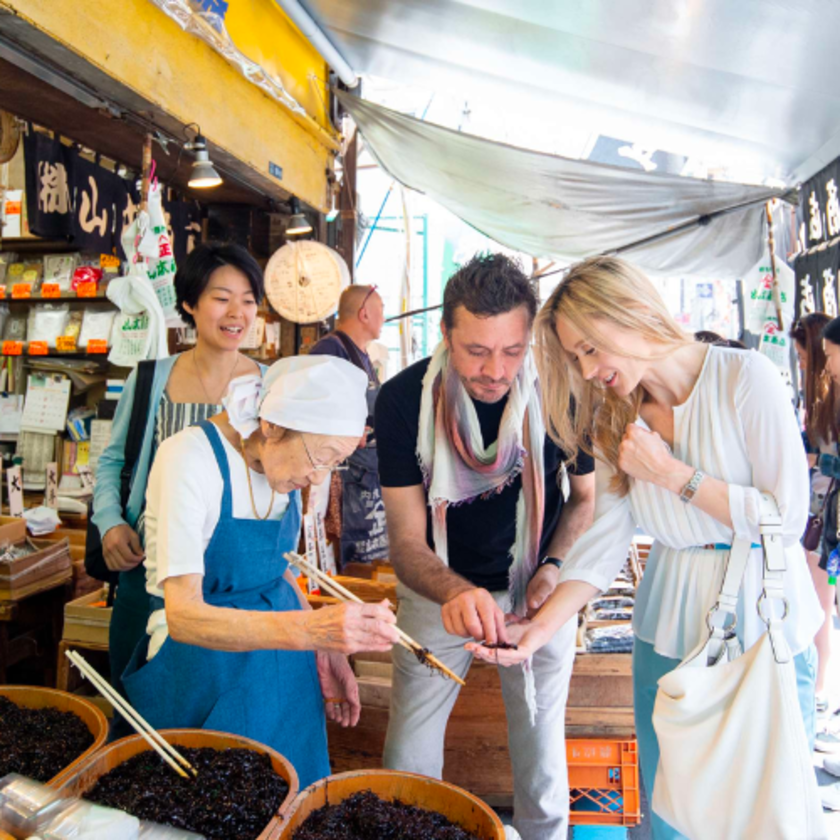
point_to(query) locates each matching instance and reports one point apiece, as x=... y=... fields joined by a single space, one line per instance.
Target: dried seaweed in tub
x=364 y=816
x=39 y=743
x=236 y=794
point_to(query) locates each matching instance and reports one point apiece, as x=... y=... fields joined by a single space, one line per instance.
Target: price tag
x=21 y=291
x=109 y=261
x=12 y=348
x=38 y=348
x=66 y=343
x=97 y=345
x=50 y=290
x=86 y=289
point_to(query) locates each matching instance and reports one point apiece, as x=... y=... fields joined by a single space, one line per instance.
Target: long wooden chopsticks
x=344 y=594
x=162 y=747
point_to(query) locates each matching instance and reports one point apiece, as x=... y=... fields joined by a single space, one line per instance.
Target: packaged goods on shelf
x=79 y=423
x=15 y=327
x=96 y=326
x=47 y=322
x=615 y=639
x=59 y=269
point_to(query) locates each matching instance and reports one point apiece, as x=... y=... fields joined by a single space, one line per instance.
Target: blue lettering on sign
x=218 y=7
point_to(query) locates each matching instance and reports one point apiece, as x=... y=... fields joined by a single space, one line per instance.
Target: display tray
x=84 y=622
x=48 y=563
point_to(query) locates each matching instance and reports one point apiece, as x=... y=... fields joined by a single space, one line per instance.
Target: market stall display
x=44 y=732
x=364 y=816
x=255 y=790
x=235 y=794
x=472 y=818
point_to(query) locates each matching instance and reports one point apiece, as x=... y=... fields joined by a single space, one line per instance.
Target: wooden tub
x=33 y=697
x=455 y=804
x=85 y=775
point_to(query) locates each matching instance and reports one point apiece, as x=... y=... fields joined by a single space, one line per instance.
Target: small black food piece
x=501 y=646
x=364 y=816
x=234 y=797
x=39 y=743
x=422 y=655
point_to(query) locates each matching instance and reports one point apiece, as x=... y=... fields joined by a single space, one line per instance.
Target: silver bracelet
x=688 y=492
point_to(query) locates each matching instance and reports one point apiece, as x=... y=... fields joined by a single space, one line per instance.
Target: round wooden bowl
x=454 y=803
x=33 y=697
x=88 y=773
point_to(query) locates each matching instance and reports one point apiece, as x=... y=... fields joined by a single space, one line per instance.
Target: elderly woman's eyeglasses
x=339 y=467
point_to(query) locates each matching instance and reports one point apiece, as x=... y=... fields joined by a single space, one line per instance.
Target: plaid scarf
x=457 y=468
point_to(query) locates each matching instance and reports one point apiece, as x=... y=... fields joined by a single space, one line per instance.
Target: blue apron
x=272 y=696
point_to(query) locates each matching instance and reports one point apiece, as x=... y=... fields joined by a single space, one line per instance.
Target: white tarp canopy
x=566 y=209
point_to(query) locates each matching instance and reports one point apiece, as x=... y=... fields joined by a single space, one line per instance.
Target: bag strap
x=136 y=426
x=356 y=357
x=722 y=629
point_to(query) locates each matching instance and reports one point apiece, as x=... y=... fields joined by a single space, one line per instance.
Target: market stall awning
x=723 y=80
x=550 y=206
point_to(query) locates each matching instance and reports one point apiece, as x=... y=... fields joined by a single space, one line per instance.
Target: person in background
x=364 y=536
x=232 y=643
x=820 y=437
x=687 y=436
x=218 y=289
x=478 y=528
x=825 y=422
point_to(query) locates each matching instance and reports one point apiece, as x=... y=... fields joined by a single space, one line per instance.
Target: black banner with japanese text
x=69 y=196
x=816 y=281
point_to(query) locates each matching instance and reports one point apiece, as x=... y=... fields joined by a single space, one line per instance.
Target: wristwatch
x=688 y=492
x=554 y=561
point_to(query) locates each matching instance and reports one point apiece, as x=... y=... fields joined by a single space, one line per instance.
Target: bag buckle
x=725 y=628
x=764 y=599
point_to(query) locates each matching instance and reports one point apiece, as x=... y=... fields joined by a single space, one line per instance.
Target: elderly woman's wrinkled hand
x=351 y=628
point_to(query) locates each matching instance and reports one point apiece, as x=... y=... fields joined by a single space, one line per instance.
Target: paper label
x=51 y=494
x=66 y=343
x=86 y=289
x=97 y=345
x=38 y=348
x=86 y=475
x=15 y=484
x=327 y=560
x=21 y=291
x=50 y=290
x=12 y=348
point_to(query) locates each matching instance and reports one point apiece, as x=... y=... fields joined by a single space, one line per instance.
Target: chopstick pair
x=344 y=594
x=162 y=747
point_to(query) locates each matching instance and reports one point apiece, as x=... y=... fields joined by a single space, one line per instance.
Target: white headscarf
x=321 y=395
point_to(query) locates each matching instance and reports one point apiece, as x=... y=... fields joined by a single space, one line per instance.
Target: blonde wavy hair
x=596 y=295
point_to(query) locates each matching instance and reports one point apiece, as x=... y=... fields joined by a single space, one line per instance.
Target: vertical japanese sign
x=14 y=480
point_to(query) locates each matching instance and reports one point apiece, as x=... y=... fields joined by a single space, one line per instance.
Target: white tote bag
x=734 y=758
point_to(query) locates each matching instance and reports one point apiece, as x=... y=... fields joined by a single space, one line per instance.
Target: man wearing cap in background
x=478 y=529
x=364 y=537
x=232 y=643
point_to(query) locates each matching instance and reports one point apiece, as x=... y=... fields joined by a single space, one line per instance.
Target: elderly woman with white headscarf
x=232 y=644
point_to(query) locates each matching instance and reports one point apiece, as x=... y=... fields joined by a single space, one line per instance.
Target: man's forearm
x=575 y=519
x=422 y=571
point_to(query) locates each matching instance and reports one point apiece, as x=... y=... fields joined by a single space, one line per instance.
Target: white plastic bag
x=157 y=247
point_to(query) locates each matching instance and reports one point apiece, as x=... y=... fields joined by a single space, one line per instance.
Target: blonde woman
x=686 y=435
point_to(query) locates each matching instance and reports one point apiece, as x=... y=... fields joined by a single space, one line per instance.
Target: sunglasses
x=371 y=290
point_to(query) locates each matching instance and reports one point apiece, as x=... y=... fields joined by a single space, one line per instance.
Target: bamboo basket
x=87 y=774
x=454 y=803
x=39 y=698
